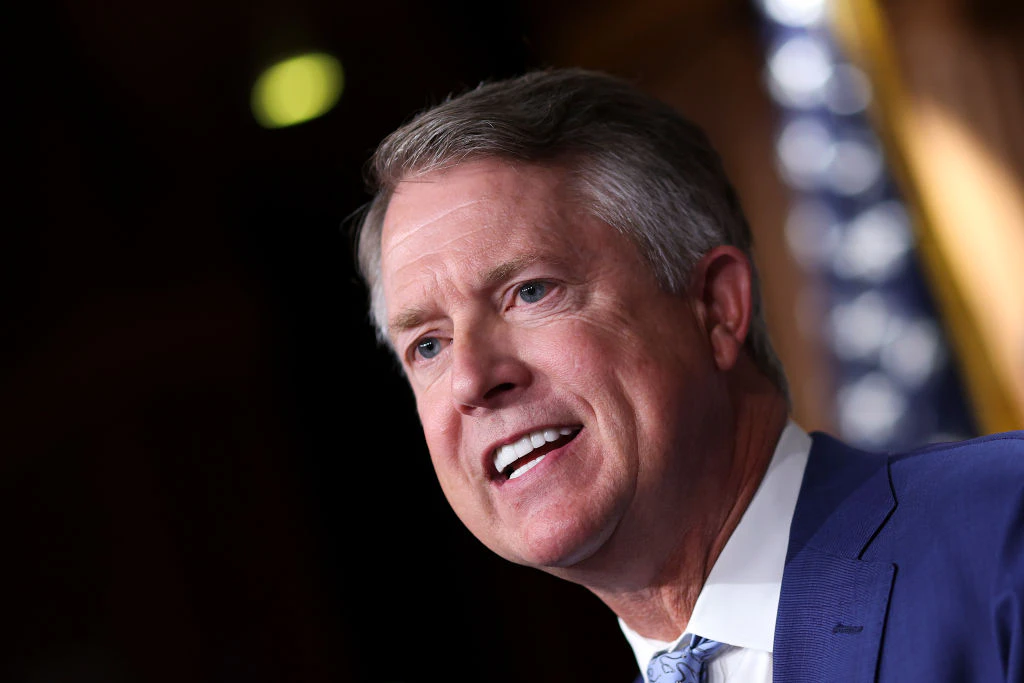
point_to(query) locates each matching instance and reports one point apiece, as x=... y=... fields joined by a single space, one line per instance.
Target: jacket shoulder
x=989 y=463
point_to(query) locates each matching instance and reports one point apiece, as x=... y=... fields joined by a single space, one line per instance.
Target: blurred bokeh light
x=849 y=229
x=297 y=89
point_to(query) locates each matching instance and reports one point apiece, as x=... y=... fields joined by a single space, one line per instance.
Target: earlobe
x=721 y=286
x=724 y=347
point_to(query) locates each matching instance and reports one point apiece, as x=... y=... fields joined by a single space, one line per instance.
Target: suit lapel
x=833 y=605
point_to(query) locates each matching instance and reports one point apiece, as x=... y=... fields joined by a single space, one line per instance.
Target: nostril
x=499 y=389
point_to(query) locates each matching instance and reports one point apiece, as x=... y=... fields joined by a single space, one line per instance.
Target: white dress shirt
x=740 y=599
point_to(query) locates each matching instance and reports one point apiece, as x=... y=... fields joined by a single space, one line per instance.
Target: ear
x=720 y=289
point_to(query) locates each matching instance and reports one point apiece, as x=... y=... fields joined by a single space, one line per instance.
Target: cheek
x=440 y=430
x=574 y=349
x=456 y=481
x=638 y=381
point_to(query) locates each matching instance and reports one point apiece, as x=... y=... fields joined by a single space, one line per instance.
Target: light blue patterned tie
x=685 y=665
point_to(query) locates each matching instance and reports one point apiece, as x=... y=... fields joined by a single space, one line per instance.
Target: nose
x=486 y=372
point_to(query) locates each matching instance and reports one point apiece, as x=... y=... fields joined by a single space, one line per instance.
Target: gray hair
x=636 y=163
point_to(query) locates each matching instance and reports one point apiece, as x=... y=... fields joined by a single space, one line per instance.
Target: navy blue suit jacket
x=906 y=567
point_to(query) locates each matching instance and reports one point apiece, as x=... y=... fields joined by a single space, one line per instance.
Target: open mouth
x=516 y=459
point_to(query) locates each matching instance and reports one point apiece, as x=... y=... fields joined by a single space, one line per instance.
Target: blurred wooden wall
x=949 y=82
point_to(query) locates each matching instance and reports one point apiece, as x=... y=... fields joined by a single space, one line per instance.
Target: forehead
x=456 y=219
x=475 y=199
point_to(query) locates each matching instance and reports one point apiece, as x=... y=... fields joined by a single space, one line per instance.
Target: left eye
x=532 y=292
x=429 y=347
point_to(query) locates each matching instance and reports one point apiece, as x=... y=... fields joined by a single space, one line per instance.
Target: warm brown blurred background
x=211 y=473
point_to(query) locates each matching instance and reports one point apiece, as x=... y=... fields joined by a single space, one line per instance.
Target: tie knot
x=685 y=665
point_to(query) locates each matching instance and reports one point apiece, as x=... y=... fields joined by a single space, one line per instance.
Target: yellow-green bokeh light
x=297 y=90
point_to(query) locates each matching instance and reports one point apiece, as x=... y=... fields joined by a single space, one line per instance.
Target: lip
x=488 y=455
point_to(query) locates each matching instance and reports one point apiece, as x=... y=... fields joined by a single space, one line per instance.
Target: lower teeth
x=522 y=470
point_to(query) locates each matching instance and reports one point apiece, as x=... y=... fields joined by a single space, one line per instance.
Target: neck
x=657 y=595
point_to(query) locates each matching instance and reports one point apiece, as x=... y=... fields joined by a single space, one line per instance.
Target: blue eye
x=429 y=347
x=532 y=292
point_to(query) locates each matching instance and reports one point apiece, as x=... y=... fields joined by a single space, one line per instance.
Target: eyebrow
x=414 y=316
x=504 y=271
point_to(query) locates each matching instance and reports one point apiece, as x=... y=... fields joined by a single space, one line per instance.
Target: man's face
x=524 y=323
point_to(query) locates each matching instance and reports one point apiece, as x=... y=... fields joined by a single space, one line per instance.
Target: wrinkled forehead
x=468 y=227
x=473 y=203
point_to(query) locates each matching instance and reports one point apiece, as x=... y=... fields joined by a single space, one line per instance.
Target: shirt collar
x=739 y=601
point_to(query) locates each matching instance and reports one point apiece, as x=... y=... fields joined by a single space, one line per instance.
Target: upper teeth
x=509 y=453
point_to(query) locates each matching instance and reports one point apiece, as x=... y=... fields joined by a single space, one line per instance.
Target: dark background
x=210 y=471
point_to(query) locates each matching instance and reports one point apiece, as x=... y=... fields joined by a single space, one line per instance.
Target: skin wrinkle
x=572 y=205
x=416 y=316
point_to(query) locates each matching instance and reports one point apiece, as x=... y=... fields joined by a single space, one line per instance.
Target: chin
x=562 y=544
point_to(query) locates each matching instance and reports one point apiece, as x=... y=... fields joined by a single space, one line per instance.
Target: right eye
x=428 y=347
